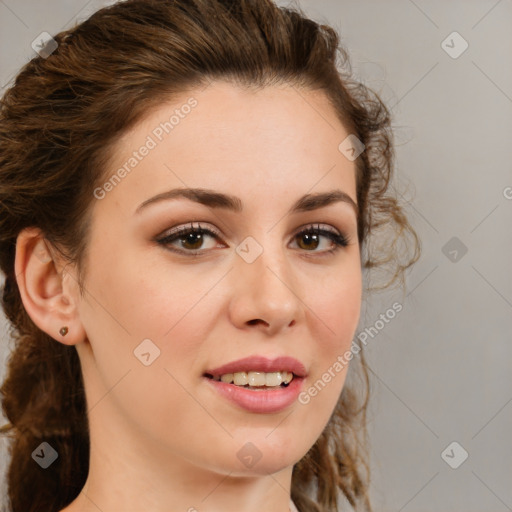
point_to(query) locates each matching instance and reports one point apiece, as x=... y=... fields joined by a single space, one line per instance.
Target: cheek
x=126 y=303
x=335 y=311
x=139 y=299
x=336 y=307
x=123 y=308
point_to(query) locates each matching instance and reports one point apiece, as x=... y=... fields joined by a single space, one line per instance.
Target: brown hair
x=58 y=123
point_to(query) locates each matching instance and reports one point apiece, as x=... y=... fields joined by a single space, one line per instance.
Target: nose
x=265 y=293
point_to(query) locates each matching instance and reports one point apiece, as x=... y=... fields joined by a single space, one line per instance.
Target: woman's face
x=162 y=310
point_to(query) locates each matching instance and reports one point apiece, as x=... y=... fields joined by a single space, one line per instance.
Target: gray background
x=441 y=368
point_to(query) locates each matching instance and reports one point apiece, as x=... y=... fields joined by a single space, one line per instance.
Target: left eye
x=312 y=235
x=192 y=239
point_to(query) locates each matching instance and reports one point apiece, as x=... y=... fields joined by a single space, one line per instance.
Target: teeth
x=240 y=378
x=273 y=379
x=288 y=377
x=257 y=379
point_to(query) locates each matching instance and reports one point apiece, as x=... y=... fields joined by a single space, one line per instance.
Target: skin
x=160 y=435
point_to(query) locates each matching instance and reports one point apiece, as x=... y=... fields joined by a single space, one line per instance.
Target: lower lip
x=265 y=401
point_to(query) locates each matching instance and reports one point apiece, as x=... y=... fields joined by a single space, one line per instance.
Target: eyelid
x=188 y=226
x=318 y=226
x=199 y=226
x=339 y=237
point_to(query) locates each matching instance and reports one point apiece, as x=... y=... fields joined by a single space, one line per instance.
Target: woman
x=188 y=189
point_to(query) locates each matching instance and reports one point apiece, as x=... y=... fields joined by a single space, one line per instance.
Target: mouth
x=259 y=376
x=256 y=380
x=257 y=384
x=259 y=373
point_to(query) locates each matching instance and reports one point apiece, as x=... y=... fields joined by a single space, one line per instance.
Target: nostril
x=256 y=321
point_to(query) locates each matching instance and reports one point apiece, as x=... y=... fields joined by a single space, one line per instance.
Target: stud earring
x=63 y=331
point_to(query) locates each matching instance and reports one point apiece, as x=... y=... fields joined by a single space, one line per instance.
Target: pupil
x=190 y=239
x=311 y=238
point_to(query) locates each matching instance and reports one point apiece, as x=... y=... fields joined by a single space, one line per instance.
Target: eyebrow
x=214 y=199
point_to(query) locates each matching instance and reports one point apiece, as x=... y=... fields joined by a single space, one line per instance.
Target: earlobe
x=48 y=291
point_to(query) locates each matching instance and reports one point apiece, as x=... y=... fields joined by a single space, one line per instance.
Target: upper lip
x=261 y=364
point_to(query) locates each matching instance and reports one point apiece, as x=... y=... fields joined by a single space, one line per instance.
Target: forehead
x=226 y=136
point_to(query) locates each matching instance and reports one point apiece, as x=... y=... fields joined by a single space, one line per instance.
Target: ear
x=48 y=288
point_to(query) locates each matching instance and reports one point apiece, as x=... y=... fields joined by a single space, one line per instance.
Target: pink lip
x=261 y=364
x=259 y=401
x=273 y=400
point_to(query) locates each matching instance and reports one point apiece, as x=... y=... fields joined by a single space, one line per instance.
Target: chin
x=254 y=458
x=263 y=468
x=270 y=457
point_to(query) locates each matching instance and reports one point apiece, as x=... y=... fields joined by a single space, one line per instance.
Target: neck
x=127 y=472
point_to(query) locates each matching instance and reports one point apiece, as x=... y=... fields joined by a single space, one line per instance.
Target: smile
x=256 y=380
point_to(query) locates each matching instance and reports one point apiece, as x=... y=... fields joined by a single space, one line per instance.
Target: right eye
x=191 y=239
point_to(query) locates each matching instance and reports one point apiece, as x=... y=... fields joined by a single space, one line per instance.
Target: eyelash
x=339 y=239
